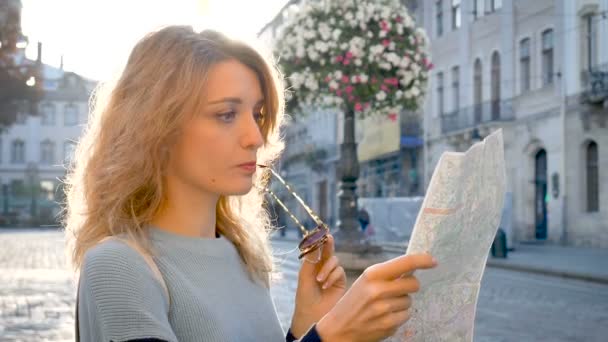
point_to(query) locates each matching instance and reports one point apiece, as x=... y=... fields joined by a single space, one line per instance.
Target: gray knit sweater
x=212 y=297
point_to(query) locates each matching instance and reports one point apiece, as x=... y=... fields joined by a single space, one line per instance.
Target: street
x=37 y=296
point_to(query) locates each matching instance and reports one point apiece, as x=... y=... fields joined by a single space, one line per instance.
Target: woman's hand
x=377 y=304
x=320 y=287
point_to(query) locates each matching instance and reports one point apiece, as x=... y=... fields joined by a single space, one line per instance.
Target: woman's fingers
x=328 y=248
x=395 y=268
x=336 y=275
x=400 y=287
x=327 y=267
x=388 y=306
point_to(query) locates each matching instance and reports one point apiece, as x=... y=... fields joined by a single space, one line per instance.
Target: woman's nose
x=252 y=136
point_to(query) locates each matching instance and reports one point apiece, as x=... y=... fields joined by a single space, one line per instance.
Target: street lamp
x=32 y=176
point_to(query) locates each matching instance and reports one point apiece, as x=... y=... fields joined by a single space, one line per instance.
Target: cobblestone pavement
x=37 y=296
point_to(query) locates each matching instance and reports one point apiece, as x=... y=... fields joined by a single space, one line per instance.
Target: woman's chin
x=239 y=191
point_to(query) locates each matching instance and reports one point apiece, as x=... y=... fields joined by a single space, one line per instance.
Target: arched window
x=592 y=175
x=477 y=85
x=70 y=115
x=524 y=65
x=48 y=114
x=18 y=152
x=495 y=85
x=47 y=152
x=547 y=56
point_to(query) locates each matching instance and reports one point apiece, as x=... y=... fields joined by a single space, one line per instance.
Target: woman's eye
x=259 y=117
x=227 y=116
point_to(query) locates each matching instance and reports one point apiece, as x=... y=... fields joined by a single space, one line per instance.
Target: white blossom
x=381 y=96
x=415 y=91
x=336 y=34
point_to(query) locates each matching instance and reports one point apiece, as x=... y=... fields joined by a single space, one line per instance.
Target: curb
x=547 y=271
x=499 y=263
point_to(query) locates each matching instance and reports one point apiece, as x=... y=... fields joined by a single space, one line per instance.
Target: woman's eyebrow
x=233 y=100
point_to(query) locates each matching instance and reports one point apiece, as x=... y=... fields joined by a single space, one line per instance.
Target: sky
x=96 y=36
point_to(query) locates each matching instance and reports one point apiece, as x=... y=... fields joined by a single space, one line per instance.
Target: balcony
x=595 y=83
x=479 y=114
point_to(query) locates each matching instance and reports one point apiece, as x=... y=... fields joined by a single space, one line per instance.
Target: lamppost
x=32 y=176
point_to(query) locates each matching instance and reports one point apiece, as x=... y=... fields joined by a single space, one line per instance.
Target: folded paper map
x=456 y=224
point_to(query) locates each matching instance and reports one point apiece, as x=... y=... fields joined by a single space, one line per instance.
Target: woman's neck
x=188 y=211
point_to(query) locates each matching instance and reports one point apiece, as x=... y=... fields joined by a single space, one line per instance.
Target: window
x=478 y=8
x=439 y=17
x=524 y=64
x=440 y=106
x=47 y=152
x=589 y=48
x=456 y=88
x=456 y=14
x=18 y=152
x=547 y=54
x=70 y=115
x=48 y=114
x=493 y=5
x=495 y=85
x=478 y=90
x=69 y=147
x=593 y=200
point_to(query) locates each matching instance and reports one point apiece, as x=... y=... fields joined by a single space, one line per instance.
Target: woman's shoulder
x=114 y=255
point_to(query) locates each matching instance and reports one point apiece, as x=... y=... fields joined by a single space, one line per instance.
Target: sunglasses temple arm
x=309 y=211
x=302 y=228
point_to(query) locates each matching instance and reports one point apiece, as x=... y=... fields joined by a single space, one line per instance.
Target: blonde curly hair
x=116 y=185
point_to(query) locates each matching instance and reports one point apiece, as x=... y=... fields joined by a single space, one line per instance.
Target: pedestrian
x=363 y=217
x=165 y=219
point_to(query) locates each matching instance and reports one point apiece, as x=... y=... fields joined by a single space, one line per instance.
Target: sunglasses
x=313 y=240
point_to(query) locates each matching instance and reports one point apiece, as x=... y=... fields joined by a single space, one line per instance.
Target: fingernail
x=435 y=263
x=320 y=278
x=324 y=286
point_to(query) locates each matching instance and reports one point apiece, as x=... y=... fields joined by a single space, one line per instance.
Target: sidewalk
x=589 y=264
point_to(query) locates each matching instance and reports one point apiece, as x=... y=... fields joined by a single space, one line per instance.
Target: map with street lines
x=456 y=224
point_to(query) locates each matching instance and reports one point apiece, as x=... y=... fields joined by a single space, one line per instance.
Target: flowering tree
x=363 y=56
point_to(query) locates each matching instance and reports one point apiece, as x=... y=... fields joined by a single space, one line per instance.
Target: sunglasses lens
x=314 y=256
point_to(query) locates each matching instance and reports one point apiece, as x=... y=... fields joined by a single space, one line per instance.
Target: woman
x=167 y=166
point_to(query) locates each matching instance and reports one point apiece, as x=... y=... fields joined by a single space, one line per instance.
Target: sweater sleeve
x=120 y=299
x=310 y=336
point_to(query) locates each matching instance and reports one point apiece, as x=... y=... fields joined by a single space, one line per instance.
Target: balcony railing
x=595 y=82
x=473 y=116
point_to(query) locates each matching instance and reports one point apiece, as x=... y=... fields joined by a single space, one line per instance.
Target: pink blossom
x=393 y=117
x=346 y=62
x=327 y=79
x=349 y=55
x=351 y=98
x=366 y=105
x=344 y=79
x=384 y=25
x=339 y=59
x=358 y=79
x=358 y=106
x=349 y=89
x=392 y=81
x=431 y=66
x=386 y=42
x=398 y=19
x=384 y=87
x=339 y=92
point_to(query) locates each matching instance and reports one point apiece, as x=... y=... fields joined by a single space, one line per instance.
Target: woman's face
x=216 y=151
